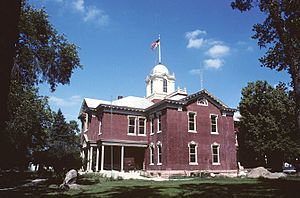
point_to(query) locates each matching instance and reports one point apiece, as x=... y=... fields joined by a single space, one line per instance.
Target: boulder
x=70 y=179
x=264 y=173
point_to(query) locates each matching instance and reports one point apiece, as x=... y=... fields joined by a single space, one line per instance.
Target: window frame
x=145 y=121
x=192 y=143
x=100 y=126
x=215 y=154
x=151 y=154
x=159 y=129
x=159 y=153
x=152 y=126
x=195 y=121
x=165 y=85
x=128 y=127
x=213 y=124
x=202 y=100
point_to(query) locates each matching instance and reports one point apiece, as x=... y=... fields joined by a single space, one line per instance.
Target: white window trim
x=212 y=154
x=195 y=121
x=151 y=154
x=217 y=130
x=202 y=99
x=196 y=153
x=86 y=124
x=100 y=127
x=159 y=131
x=145 y=131
x=128 y=117
x=151 y=126
x=159 y=162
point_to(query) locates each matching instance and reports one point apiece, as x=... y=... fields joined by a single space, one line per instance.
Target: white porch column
x=97 y=159
x=122 y=158
x=83 y=158
x=91 y=159
x=88 y=160
x=102 y=158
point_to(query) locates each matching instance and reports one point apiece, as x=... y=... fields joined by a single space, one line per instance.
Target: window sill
x=193 y=163
x=151 y=164
x=214 y=133
x=190 y=131
x=216 y=164
x=142 y=135
x=159 y=164
x=131 y=134
x=158 y=131
x=99 y=133
x=151 y=133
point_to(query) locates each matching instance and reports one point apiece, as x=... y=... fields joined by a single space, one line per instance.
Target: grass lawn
x=94 y=186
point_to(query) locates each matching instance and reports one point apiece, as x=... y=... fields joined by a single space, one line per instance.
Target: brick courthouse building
x=167 y=132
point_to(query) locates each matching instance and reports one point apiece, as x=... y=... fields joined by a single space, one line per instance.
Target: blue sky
x=114 y=37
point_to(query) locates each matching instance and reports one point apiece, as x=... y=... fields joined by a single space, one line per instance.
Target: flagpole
x=159 y=52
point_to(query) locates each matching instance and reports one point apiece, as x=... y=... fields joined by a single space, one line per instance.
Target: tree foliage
x=267 y=126
x=28 y=124
x=280 y=34
x=43 y=55
x=63 y=145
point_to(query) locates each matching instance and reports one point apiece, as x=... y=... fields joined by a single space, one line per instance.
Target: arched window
x=151 y=154
x=159 y=151
x=202 y=102
x=151 y=86
x=193 y=153
x=165 y=85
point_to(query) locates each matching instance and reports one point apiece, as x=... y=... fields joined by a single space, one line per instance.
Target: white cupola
x=160 y=83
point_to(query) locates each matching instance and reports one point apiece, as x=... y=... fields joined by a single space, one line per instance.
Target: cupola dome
x=160 y=69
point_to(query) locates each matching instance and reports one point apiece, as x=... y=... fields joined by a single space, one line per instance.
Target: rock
x=258 y=172
x=70 y=179
x=264 y=173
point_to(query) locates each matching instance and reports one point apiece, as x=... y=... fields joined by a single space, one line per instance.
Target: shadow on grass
x=263 y=188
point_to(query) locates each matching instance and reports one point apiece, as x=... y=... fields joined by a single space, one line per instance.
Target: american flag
x=155 y=44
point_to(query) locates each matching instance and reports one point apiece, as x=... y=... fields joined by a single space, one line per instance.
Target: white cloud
x=218 y=51
x=89 y=13
x=213 y=63
x=195 y=71
x=97 y=15
x=78 y=5
x=193 y=39
x=63 y=102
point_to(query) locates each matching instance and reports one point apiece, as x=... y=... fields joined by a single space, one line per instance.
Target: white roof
x=129 y=101
x=93 y=103
x=134 y=102
x=161 y=69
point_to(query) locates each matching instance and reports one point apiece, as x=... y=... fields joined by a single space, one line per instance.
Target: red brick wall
x=118 y=130
x=175 y=138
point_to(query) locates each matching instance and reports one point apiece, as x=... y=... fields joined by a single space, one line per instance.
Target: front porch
x=113 y=155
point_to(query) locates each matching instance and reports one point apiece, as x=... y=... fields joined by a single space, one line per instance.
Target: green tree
x=280 y=34
x=267 y=128
x=63 y=144
x=27 y=127
x=41 y=55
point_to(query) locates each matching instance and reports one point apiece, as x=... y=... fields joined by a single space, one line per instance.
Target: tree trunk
x=9 y=19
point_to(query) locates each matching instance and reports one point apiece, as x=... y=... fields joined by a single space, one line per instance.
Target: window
x=215 y=154
x=165 y=85
x=131 y=125
x=151 y=86
x=151 y=154
x=159 y=154
x=86 y=122
x=100 y=127
x=142 y=126
x=192 y=121
x=158 y=123
x=151 y=126
x=214 y=123
x=202 y=102
x=193 y=153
